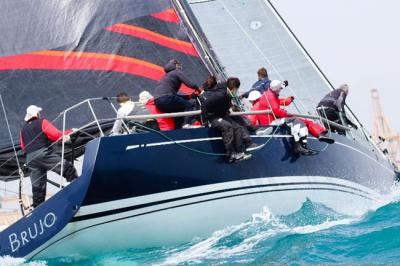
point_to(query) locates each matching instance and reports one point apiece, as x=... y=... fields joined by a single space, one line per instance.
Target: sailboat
x=157 y=188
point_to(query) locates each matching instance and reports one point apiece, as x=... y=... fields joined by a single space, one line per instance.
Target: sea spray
x=10 y=261
x=314 y=234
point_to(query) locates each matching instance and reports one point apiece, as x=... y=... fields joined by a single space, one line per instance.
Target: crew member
x=299 y=127
x=216 y=104
x=36 y=137
x=254 y=99
x=332 y=108
x=125 y=109
x=261 y=85
x=210 y=83
x=166 y=94
x=164 y=123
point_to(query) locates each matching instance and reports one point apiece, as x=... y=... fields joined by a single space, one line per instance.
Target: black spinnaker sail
x=57 y=53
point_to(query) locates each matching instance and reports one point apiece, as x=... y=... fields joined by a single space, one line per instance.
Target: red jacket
x=269 y=101
x=260 y=119
x=166 y=123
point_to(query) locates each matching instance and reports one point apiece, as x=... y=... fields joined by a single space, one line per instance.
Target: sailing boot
x=241 y=156
x=325 y=138
x=232 y=157
x=301 y=148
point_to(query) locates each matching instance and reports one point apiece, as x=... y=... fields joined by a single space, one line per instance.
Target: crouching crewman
x=299 y=127
x=216 y=104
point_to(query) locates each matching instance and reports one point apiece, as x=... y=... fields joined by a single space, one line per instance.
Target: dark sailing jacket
x=39 y=133
x=216 y=101
x=260 y=85
x=336 y=99
x=172 y=81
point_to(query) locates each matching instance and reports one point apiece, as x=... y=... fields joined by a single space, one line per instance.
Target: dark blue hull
x=145 y=186
x=150 y=163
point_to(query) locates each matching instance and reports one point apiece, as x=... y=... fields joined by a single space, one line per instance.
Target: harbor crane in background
x=382 y=133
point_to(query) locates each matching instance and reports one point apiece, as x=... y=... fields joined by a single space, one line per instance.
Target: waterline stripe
x=188 y=204
x=149 y=204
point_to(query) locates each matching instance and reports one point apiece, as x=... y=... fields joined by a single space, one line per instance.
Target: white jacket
x=125 y=110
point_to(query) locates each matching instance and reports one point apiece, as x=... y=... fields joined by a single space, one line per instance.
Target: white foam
x=391 y=197
x=207 y=249
x=10 y=261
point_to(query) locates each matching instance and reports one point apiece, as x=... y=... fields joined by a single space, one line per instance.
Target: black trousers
x=246 y=127
x=40 y=162
x=175 y=103
x=233 y=134
x=332 y=115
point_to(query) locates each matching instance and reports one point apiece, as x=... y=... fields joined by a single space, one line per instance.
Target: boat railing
x=98 y=121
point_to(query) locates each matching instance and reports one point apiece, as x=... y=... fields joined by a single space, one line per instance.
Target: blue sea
x=314 y=234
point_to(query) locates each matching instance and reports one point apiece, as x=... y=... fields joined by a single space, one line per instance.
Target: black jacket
x=172 y=81
x=216 y=101
x=336 y=99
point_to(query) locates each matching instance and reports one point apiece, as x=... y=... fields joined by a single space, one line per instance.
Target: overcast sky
x=355 y=42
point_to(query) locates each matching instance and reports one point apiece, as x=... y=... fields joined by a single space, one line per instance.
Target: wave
x=313 y=234
x=237 y=244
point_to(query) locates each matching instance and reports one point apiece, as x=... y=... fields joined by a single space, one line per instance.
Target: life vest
x=32 y=136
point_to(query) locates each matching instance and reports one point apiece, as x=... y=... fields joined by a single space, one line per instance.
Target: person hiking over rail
x=166 y=95
x=299 y=127
x=332 y=105
x=216 y=104
x=36 y=137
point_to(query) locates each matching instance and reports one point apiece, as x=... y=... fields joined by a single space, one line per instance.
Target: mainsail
x=57 y=53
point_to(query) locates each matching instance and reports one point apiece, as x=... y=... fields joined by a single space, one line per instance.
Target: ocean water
x=314 y=234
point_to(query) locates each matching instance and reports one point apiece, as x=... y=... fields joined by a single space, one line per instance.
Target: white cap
x=144 y=97
x=254 y=95
x=276 y=85
x=32 y=111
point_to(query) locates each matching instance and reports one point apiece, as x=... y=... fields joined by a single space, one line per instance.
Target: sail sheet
x=55 y=54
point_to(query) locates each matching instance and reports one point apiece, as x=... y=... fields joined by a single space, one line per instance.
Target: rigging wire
x=289 y=57
x=20 y=172
x=10 y=134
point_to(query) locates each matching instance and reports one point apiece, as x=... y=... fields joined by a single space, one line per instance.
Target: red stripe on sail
x=142 y=33
x=61 y=60
x=168 y=15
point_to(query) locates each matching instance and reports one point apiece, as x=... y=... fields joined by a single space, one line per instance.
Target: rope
x=329 y=130
x=195 y=150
